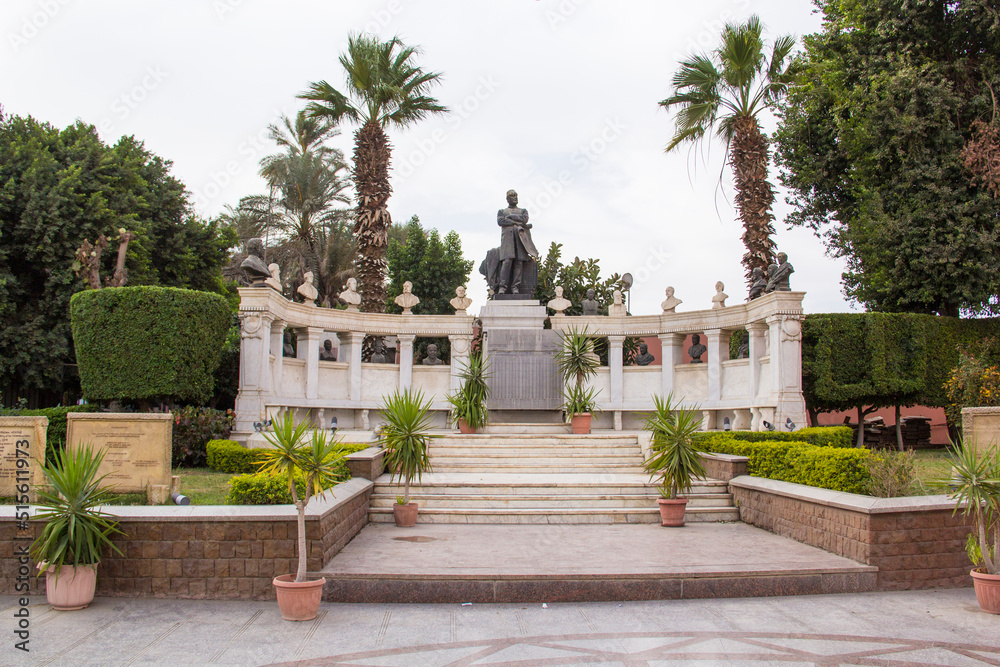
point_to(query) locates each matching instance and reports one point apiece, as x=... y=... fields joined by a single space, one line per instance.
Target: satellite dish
x=627 y=280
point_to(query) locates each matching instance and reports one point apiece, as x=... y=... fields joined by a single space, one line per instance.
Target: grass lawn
x=931 y=464
x=204 y=486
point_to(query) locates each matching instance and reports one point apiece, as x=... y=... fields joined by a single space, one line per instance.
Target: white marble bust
x=350 y=295
x=407 y=300
x=671 y=302
x=461 y=302
x=308 y=290
x=719 y=300
x=560 y=303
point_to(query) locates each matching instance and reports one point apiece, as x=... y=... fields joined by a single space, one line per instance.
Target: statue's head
x=511 y=198
x=275 y=270
x=308 y=277
x=670 y=292
x=695 y=339
x=255 y=247
x=352 y=284
x=432 y=351
x=559 y=292
x=757 y=272
x=460 y=292
x=591 y=293
x=617 y=296
x=782 y=258
x=719 y=286
x=643 y=348
x=328 y=344
x=407 y=287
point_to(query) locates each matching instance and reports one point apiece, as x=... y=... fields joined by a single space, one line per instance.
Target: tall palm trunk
x=754 y=195
x=372 y=153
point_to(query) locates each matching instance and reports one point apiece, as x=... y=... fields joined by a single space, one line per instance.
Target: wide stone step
x=496 y=484
x=554 y=515
x=646 y=500
x=541 y=460
x=567 y=440
x=516 y=467
x=509 y=428
x=521 y=449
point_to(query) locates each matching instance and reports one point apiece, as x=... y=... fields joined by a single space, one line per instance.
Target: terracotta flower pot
x=463 y=427
x=73 y=588
x=581 y=423
x=987 y=590
x=672 y=511
x=405 y=515
x=298 y=601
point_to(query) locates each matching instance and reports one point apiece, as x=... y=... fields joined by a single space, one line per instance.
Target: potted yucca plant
x=975 y=487
x=577 y=363
x=468 y=404
x=405 y=435
x=318 y=460
x=76 y=532
x=674 y=460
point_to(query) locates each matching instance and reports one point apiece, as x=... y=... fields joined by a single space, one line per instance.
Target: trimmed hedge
x=836 y=468
x=148 y=342
x=884 y=359
x=263 y=489
x=820 y=436
x=55 y=434
x=231 y=456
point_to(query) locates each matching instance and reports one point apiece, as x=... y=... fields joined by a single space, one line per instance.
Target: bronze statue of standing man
x=516 y=247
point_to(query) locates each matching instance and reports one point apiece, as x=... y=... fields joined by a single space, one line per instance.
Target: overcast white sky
x=555 y=98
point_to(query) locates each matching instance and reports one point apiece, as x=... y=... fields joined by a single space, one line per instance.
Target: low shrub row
x=250 y=487
x=836 y=468
x=820 y=436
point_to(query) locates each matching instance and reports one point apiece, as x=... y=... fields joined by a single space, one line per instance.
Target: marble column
x=616 y=367
x=461 y=347
x=276 y=351
x=756 y=346
x=406 y=361
x=309 y=338
x=350 y=351
x=672 y=355
x=717 y=342
x=785 y=332
x=255 y=330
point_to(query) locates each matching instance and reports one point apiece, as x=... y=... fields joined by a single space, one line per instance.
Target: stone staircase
x=541 y=473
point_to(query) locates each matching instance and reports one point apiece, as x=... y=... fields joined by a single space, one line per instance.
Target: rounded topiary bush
x=148 y=342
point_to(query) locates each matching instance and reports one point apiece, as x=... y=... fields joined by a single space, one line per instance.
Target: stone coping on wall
x=318 y=508
x=847 y=501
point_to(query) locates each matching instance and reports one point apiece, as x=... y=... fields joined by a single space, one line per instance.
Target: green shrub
x=55 y=434
x=263 y=489
x=231 y=456
x=820 y=436
x=837 y=468
x=148 y=342
x=193 y=429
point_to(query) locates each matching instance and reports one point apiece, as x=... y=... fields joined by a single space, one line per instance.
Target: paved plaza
x=943 y=627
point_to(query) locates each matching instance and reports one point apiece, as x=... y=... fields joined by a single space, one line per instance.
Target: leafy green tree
x=871 y=143
x=726 y=92
x=384 y=87
x=57 y=188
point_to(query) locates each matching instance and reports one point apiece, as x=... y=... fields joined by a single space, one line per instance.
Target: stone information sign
x=982 y=426
x=137 y=449
x=21 y=438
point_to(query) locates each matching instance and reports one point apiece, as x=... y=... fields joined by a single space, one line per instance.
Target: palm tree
x=384 y=87
x=307 y=182
x=726 y=91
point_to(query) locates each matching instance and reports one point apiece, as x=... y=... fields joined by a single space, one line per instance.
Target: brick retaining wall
x=915 y=541
x=210 y=552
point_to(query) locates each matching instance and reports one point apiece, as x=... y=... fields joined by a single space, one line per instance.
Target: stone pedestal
x=22 y=454
x=521 y=353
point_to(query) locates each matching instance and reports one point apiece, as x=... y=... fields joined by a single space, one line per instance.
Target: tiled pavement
x=943 y=627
